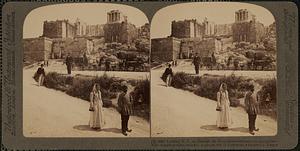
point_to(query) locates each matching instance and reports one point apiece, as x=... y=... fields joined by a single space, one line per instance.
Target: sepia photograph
x=86 y=71
x=213 y=71
x=136 y=75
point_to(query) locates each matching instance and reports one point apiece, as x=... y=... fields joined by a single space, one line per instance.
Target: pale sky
x=218 y=12
x=90 y=13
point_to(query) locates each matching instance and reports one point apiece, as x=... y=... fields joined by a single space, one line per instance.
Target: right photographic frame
x=213 y=71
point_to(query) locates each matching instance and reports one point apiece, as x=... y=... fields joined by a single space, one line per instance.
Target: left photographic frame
x=86 y=71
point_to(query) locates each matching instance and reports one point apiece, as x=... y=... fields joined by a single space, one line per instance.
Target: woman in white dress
x=224 y=119
x=96 y=116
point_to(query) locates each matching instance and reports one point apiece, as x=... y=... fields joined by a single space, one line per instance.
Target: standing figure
x=107 y=65
x=39 y=76
x=69 y=61
x=96 y=116
x=85 y=60
x=251 y=106
x=229 y=62
x=125 y=109
x=236 y=64
x=214 y=60
x=168 y=75
x=224 y=118
x=46 y=62
x=196 y=62
x=100 y=63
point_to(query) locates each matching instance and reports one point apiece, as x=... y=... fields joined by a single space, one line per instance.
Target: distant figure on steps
x=69 y=61
x=196 y=62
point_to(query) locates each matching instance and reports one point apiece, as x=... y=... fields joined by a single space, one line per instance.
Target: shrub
x=197 y=80
x=105 y=81
x=107 y=94
x=115 y=87
x=133 y=82
x=210 y=85
x=144 y=87
x=141 y=99
x=181 y=80
x=208 y=88
x=57 y=81
x=81 y=86
x=269 y=86
x=244 y=86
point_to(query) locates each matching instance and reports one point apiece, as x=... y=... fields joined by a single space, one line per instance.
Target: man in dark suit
x=252 y=109
x=69 y=61
x=125 y=109
x=196 y=63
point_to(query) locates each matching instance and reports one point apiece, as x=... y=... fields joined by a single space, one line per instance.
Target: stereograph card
x=149 y=75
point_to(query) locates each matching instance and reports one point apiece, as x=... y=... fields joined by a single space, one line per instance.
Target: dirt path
x=178 y=113
x=51 y=113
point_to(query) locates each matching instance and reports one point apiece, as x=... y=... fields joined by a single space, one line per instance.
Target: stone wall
x=71 y=30
x=76 y=47
x=58 y=47
x=80 y=27
x=37 y=49
x=188 y=47
x=246 y=28
x=95 y=30
x=165 y=49
x=80 y=46
x=52 y=29
x=241 y=32
x=223 y=29
x=186 y=29
x=170 y=48
x=206 y=47
x=252 y=32
x=209 y=27
x=59 y=29
x=120 y=32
